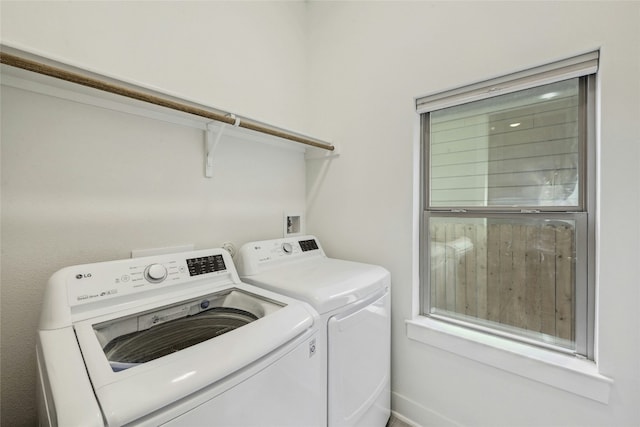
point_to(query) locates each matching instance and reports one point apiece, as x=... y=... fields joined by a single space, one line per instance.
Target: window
x=507 y=232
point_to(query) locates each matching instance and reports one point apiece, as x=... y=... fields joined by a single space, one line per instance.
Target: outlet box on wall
x=293 y=224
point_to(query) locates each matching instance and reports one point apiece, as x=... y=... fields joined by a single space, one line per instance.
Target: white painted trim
x=568 y=373
x=408 y=411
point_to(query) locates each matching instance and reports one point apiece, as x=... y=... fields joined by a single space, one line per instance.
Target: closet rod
x=95 y=83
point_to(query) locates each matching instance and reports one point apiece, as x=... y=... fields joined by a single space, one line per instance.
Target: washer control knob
x=287 y=248
x=155 y=273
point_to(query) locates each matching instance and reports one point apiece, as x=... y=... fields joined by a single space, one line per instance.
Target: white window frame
x=580 y=373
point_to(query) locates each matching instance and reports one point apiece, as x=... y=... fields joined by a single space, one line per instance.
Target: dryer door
x=359 y=364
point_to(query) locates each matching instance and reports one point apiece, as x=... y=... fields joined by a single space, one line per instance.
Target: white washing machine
x=353 y=300
x=175 y=340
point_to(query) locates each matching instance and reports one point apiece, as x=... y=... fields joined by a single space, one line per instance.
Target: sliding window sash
x=584 y=216
x=583 y=330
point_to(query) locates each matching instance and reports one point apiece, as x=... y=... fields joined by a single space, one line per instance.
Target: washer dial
x=155 y=273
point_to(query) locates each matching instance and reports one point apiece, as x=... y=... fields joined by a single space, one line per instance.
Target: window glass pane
x=517 y=149
x=515 y=275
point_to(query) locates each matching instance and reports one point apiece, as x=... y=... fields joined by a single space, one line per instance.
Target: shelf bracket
x=213 y=139
x=317 y=154
x=214 y=135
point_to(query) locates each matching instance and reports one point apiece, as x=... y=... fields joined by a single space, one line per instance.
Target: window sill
x=565 y=372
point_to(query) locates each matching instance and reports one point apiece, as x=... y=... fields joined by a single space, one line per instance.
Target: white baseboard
x=417 y=415
x=396 y=416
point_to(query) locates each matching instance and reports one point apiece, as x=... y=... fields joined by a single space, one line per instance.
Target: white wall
x=83 y=184
x=369 y=60
x=244 y=57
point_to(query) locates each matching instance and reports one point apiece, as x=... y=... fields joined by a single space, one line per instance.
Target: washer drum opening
x=133 y=340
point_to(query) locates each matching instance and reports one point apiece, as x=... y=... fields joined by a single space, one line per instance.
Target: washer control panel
x=95 y=282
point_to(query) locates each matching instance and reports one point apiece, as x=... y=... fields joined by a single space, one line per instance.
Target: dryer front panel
x=359 y=365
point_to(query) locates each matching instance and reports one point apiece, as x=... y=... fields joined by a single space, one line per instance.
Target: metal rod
x=96 y=83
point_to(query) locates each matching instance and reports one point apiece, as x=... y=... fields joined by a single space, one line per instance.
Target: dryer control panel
x=255 y=256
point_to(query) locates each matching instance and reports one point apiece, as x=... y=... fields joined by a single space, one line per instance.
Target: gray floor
x=395 y=422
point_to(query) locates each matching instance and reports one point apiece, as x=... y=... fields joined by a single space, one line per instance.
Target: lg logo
x=83 y=276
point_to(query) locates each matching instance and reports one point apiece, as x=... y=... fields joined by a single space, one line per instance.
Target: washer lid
x=128 y=341
x=325 y=283
x=128 y=394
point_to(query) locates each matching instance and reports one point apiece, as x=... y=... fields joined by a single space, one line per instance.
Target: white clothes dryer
x=175 y=340
x=353 y=300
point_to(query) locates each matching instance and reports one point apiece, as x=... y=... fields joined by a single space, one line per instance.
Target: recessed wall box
x=293 y=224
